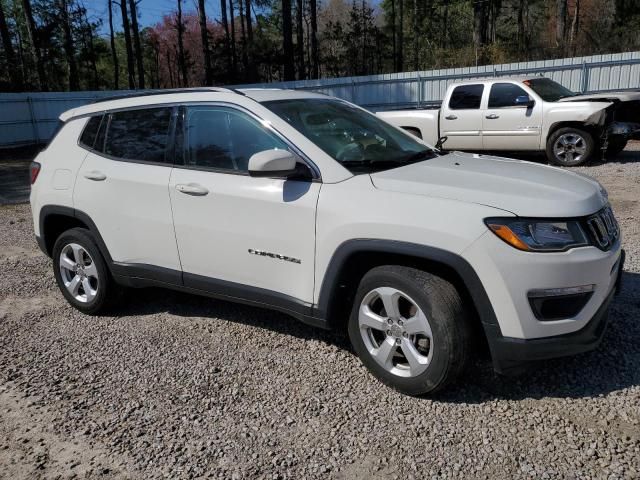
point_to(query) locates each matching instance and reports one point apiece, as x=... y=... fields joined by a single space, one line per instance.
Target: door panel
x=231 y=227
x=125 y=190
x=507 y=125
x=461 y=118
x=130 y=206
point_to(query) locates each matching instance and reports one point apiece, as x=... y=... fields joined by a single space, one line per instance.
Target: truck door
x=512 y=120
x=461 y=118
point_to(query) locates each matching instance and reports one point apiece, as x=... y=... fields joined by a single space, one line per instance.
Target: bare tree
x=182 y=58
x=253 y=71
x=561 y=22
x=234 y=58
x=300 y=41
x=400 y=57
x=92 y=51
x=114 y=54
x=127 y=41
x=15 y=74
x=68 y=45
x=204 y=35
x=136 y=42
x=35 y=44
x=315 y=60
x=287 y=41
x=227 y=38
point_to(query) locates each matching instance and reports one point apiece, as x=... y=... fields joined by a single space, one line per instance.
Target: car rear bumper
x=512 y=355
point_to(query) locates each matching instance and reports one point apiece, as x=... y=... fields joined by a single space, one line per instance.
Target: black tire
x=615 y=146
x=447 y=317
x=570 y=160
x=107 y=292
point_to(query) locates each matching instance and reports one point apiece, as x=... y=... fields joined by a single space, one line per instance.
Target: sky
x=150 y=11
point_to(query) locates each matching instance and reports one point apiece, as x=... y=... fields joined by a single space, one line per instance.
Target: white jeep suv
x=315 y=207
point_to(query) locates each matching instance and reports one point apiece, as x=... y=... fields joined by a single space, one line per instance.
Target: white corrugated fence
x=32 y=117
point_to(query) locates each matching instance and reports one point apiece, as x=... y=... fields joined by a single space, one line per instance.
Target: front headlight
x=538 y=235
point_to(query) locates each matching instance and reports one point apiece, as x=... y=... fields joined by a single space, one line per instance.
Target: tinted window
x=505 y=94
x=466 y=97
x=139 y=134
x=90 y=131
x=224 y=139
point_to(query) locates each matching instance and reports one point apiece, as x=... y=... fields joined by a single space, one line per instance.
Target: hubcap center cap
x=396 y=330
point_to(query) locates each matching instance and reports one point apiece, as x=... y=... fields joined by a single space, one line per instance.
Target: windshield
x=357 y=139
x=549 y=90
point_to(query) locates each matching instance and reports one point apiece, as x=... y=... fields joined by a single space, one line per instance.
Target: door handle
x=451 y=117
x=493 y=116
x=192 y=189
x=95 y=175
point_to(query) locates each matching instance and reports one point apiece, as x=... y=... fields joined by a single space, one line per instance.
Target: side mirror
x=272 y=163
x=524 y=101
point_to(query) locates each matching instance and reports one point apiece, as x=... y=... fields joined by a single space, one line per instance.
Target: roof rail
x=168 y=91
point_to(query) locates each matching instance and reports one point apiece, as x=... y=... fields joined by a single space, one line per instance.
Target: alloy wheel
x=396 y=332
x=570 y=148
x=79 y=272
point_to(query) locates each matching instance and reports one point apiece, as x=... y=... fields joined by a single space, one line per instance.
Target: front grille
x=603 y=228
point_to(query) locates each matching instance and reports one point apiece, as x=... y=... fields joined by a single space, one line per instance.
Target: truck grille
x=603 y=228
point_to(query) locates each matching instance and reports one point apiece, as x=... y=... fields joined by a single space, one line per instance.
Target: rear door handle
x=192 y=189
x=95 y=175
x=493 y=116
x=451 y=117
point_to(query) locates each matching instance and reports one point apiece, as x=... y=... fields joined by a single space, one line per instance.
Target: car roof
x=201 y=94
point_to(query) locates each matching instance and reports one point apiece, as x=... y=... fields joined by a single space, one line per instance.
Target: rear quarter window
x=466 y=97
x=90 y=131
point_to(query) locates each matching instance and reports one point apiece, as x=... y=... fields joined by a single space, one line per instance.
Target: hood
x=604 y=97
x=523 y=188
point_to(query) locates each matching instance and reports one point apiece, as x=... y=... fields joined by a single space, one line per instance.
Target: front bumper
x=512 y=355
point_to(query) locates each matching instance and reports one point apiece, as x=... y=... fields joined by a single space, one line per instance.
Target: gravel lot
x=177 y=386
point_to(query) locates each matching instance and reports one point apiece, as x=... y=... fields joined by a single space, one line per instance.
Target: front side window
x=360 y=141
x=221 y=138
x=141 y=135
x=466 y=97
x=504 y=95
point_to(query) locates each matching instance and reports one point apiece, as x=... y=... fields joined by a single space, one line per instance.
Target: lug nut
x=405 y=334
x=389 y=332
x=389 y=321
x=400 y=322
x=398 y=341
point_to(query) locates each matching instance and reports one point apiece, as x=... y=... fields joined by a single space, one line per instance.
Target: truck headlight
x=538 y=235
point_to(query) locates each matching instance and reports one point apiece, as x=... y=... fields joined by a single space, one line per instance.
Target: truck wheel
x=81 y=273
x=410 y=329
x=615 y=146
x=569 y=147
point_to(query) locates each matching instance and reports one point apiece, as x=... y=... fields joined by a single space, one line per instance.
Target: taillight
x=34 y=170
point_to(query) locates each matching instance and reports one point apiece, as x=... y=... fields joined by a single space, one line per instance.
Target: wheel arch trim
x=330 y=283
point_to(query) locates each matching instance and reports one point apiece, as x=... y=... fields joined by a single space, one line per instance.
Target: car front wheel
x=570 y=147
x=410 y=329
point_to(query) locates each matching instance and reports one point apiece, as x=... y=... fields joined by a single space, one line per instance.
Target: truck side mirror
x=524 y=101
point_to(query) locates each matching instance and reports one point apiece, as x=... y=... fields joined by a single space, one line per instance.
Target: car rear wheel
x=81 y=273
x=410 y=329
x=570 y=147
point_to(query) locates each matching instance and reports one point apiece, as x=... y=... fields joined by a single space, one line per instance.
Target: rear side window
x=139 y=135
x=88 y=137
x=504 y=95
x=466 y=97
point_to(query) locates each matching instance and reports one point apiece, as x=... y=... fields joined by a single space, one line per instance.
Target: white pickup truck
x=526 y=114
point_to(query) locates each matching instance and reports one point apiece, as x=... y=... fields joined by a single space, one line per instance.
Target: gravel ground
x=177 y=386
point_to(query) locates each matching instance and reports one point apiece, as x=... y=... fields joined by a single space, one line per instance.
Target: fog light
x=559 y=303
